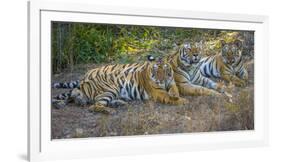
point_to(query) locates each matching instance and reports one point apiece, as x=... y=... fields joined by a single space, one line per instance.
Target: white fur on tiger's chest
x=192 y=70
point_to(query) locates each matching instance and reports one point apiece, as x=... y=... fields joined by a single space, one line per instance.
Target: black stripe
x=205 y=71
x=135 y=93
x=210 y=68
x=127 y=88
x=113 y=67
x=130 y=92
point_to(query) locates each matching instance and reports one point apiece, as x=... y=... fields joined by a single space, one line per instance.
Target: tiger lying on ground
x=227 y=65
x=187 y=73
x=112 y=85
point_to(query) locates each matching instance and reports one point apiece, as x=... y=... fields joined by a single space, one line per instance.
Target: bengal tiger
x=187 y=72
x=227 y=65
x=112 y=85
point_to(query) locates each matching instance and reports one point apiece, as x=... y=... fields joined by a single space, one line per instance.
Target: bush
x=81 y=43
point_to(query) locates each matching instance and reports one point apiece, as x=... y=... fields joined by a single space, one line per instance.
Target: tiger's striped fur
x=227 y=65
x=114 y=84
x=190 y=81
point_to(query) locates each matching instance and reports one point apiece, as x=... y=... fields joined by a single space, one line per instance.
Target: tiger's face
x=196 y=51
x=190 y=54
x=161 y=74
x=231 y=52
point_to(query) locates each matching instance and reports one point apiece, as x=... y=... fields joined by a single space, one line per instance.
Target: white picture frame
x=40 y=145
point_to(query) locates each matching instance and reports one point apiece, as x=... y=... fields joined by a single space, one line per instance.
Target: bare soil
x=202 y=114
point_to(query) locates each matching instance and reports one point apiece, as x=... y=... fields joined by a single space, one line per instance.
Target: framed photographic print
x=107 y=81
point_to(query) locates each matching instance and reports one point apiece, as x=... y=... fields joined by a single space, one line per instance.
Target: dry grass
x=203 y=114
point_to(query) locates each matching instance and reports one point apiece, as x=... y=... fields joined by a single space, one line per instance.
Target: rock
x=79 y=131
x=59 y=104
x=113 y=133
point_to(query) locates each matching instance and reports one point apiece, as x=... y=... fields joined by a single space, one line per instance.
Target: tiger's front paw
x=117 y=103
x=174 y=94
x=240 y=83
x=216 y=94
x=182 y=101
x=220 y=87
x=103 y=109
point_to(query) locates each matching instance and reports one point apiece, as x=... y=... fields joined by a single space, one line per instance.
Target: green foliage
x=82 y=43
x=96 y=43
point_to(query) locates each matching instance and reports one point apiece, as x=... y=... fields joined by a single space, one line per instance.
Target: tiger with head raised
x=112 y=85
x=187 y=73
x=227 y=65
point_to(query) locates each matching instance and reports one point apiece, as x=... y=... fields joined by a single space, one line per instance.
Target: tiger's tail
x=61 y=100
x=67 y=85
x=63 y=96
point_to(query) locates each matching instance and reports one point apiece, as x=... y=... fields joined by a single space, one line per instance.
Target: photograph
x=126 y=80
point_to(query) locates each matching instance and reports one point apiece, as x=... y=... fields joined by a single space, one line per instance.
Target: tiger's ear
x=187 y=45
x=222 y=42
x=200 y=44
x=150 y=58
x=238 y=43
